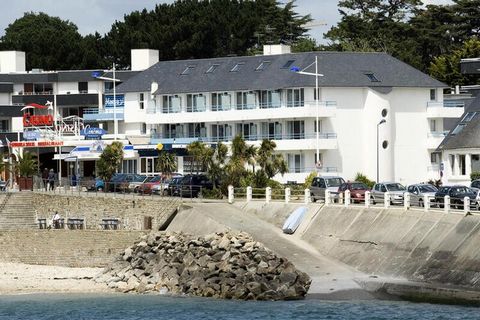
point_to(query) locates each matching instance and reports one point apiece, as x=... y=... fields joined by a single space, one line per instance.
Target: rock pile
x=221 y=265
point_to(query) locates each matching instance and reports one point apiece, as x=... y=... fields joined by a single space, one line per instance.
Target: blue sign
x=119 y=101
x=93 y=133
x=96 y=74
x=31 y=135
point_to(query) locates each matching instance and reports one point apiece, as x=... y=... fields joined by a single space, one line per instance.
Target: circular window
x=385 y=144
x=384 y=113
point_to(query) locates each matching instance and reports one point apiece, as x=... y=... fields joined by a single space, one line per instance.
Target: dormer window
x=288 y=64
x=212 y=68
x=188 y=70
x=237 y=67
x=371 y=76
x=262 y=66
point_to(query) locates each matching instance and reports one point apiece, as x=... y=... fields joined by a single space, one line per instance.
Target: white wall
x=12 y=61
x=17 y=124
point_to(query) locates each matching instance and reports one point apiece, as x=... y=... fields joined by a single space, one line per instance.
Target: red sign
x=35 y=144
x=37 y=121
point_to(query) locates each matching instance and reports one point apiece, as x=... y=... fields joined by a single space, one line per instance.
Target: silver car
x=419 y=191
x=394 y=189
x=320 y=184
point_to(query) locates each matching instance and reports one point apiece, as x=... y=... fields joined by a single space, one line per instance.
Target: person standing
x=45 y=178
x=56 y=220
x=51 y=179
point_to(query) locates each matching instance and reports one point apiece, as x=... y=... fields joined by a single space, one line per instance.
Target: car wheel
x=373 y=200
x=312 y=198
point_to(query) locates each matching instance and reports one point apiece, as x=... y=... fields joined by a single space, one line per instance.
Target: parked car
x=357 y=190
x=394 y=189
x=457 y=193
x=320 y=184
x=97 y=185
x=125 y=182
x=147 y=186
x=419 y=191
x=164 y=188
x=192 y=185
x=135 y=181
x=475 y=184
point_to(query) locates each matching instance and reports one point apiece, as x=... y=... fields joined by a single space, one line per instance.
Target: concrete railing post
x=340 y=198
x=268 y=194
x=446 y=204
x=386 y=200
x=347 y=198
x=287 y=195
x=307 y=196
x=327 y=197
x=426 y=203
x=231 y=195
x=406 y=200
x=367 y=199
x=249 y=194
x=466 y=205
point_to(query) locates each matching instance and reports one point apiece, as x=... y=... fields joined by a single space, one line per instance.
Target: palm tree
x=166 y=163
x=199 y=151
x=271 y=163
x=26 y=165
x=110 y=159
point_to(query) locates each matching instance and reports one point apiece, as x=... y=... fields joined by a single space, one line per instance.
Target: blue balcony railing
x=446 y=104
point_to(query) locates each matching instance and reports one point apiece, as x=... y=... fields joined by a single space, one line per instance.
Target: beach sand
x=17 y=278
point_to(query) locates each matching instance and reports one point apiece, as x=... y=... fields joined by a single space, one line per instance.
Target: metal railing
x=446 y=104
x=101 y=111
x=252 y=137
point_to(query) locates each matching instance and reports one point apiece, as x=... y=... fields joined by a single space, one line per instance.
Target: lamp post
x=115 y=122
x=316 y=74
x=378 y=152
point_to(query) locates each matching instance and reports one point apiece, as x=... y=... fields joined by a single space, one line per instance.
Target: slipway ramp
x=330 y=279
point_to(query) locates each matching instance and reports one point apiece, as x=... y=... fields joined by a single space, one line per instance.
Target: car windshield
x=334 y=182
x=427 y=188
x=359 y=186
x=176 y=180
x=395 y=187
x=155 y=179
x=459 y=190
x=138 y=178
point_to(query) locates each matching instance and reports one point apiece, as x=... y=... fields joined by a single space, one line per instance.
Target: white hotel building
x=258 y=97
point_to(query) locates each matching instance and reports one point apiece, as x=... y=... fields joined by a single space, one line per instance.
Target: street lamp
x=115 y=123
x=378 y=156
x=316 y=74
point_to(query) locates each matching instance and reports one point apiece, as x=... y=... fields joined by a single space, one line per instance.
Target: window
x=196 y=102
x=4 y=126
x=129 y=166
x=270 y=99
x=196 y=130
x=295 y=97
x=433 y=125
x=433 y=94
x=171 y=104
x=221 y=101
x=83 y=87
x=221 y=132
x=262 y=66
x=247 y=130
x=38 y=88
x=318 y=162
x=296 y=129
x=371 y=77
x=148 y=165
x=143 y=130
x=458 y=128
x=295 y=162
x=435 y=157
x=452 y=164
x=237 y=67
x=288 y=64
x=212 y=68
x=461 y=164
x=245 y=100
x=468 y=117
x=319 y=125
x=271 y=130
x=141 y=100
x=172 y=131
x=187 y=70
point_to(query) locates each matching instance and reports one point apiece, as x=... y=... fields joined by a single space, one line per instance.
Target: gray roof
x=340 y=69
x=62 y=76
x=469 y=137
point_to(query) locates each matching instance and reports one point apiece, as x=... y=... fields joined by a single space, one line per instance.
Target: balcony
x=234 y=113
x=284 y=142
x=95 y=114
x=445 y=109
x=435 y=138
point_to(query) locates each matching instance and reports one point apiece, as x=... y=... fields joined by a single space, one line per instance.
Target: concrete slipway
x=358 y=253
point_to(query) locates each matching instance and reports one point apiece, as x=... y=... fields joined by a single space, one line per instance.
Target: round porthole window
x=384 y=113
x=385 y=144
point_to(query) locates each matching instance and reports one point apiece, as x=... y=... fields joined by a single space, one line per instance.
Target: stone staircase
x=16 y=211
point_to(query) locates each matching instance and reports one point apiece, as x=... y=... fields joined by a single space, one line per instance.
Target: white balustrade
x=406 y=200
x=466 y=205
x=288 y=193
x=347 y=198
x=367 y=199
x=446 y=204
x=230 y=194
x=268 y=194
x=249 y=194
x=386 y=200
x=307 y=196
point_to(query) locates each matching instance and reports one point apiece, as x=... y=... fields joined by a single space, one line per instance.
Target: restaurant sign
x=35 y=144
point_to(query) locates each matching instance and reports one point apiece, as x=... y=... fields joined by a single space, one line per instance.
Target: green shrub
x=363 y=178
x=475 y=175
x=435 y=182
x=309 y=180
x=212 y=194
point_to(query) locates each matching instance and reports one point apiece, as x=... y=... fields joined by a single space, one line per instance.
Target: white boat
x=294 y=220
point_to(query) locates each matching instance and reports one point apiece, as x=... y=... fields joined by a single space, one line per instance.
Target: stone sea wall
x=220 y=265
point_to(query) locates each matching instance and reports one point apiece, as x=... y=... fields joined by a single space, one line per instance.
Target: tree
x=200 y=153
x=49 y=42
x=167 y=163
x=446 y=67
x=110 y=160
x=26 y=165
x=271 y=164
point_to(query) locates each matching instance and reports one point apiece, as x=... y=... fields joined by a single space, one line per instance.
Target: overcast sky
x=99 y=15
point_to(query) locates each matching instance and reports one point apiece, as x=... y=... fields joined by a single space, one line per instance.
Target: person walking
x=51 y=179
x=45 y=178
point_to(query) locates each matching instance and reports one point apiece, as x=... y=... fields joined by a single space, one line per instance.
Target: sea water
x=56 y=306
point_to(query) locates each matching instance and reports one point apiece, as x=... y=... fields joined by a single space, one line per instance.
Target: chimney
x=12 y=61
x=143 y=59
x=272 y=49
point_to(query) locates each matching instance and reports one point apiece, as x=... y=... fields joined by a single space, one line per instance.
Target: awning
x=92 y=153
